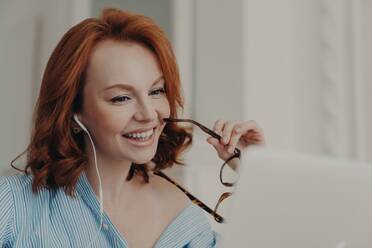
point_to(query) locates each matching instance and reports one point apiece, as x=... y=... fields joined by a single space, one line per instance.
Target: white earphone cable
x=99 y=177
x=100 y=185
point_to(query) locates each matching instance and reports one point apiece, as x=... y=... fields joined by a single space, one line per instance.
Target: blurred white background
x=299 y=68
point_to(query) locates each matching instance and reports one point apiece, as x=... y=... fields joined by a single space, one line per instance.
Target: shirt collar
x=186 y=226
x=85 y=190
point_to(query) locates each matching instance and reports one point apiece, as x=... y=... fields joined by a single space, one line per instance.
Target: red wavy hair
x=55 y=155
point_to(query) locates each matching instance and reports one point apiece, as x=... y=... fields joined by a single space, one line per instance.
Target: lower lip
x=140 y=143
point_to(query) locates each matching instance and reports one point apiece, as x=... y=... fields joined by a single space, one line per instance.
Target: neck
x=113 y=174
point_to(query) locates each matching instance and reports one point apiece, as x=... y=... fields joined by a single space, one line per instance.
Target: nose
x=146 y=111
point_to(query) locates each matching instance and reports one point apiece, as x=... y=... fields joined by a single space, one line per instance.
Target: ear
x=77 y=120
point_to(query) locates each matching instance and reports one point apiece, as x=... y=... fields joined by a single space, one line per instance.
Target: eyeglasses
x=236 y=154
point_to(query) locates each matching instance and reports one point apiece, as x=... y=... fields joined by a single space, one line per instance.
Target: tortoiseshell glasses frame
x=236 y=154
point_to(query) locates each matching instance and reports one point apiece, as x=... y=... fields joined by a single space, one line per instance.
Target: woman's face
x=124 y=101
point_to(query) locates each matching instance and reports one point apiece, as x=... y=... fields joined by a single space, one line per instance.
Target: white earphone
x=99 y=177
x=79 y=123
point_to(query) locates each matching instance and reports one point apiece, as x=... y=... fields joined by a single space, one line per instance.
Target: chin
x=143 y=160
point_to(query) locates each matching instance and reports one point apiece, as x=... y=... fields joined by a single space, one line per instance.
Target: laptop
x=291 y=200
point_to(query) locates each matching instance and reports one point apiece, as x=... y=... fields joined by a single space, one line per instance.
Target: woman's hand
x=240 y=135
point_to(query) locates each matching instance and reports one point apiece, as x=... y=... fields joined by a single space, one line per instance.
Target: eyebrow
x=130 y=87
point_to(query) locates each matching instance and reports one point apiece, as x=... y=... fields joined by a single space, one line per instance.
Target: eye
x=120 y=99
x=158 y=91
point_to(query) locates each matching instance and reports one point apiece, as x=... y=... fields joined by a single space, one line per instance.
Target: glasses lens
x=229 y=177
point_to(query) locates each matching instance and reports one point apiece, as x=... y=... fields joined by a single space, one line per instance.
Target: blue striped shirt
x=53 y=219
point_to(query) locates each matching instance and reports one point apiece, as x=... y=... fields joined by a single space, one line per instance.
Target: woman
x=99 y=131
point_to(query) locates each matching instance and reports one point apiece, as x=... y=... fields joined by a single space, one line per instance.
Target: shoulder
x=200 y=230
x=16 y=184
x=8 y=185
x=17 y=179
x=19 y=188
x=190 y=220
x=6 y=196
x=15 y=191
x=195 y=229
x=169 y=193
x=208 y=238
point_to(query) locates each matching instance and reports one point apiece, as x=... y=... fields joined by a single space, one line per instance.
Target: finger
x=218 y=126
x=251 y=138
x=249 y=126
x=216 y=143
x=235 y=137
x=220 y=148
x=210 y=140
x=226 y=132
x=259 y=139
x=213 y=141
x=251 y=133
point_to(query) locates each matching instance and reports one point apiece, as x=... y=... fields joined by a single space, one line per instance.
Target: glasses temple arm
x=195 y=200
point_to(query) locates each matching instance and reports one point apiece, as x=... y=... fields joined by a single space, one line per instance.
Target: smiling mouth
x=140 y=138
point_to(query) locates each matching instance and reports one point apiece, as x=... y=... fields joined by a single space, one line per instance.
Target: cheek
x=164 y=109
x=100 y=116
x=107 y=119
x=115 y=119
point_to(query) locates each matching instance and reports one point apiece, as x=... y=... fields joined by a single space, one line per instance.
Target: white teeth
x=141 y=135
